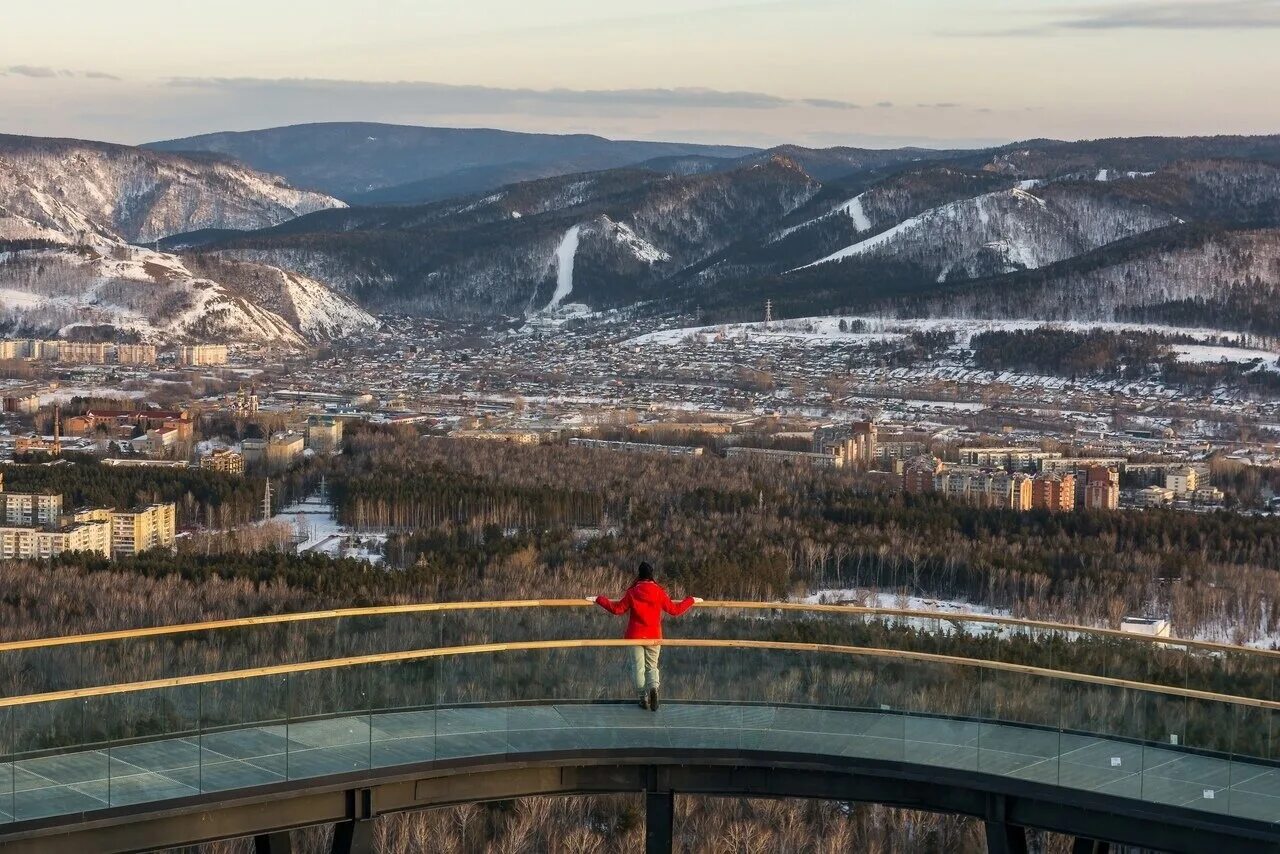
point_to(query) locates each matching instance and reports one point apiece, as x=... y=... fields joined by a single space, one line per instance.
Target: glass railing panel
x=468 y=722
x=1189 y=769
x=1020 y=734
x=59 y=765
x=6 y=765
x=153 y=743
x=327 y=727
x=1103 y=728
x=404 y=696
x=244 y=734
x=1255 y=766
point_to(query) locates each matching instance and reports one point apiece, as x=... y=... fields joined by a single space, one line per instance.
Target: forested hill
x=1038 y=229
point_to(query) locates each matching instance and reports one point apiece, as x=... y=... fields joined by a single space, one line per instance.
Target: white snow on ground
x=64 y=394
x=564 y=266
x=852 y=209
x=641 y=248
x=826 y=330
x=321 y=532
x=1103 y=175
x=1210 y=353
x=880 y=239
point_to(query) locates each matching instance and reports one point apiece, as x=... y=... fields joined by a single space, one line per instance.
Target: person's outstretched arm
x=620 y=607
x=675 y=609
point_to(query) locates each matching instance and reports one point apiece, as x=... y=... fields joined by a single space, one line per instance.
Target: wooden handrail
x=476 y=649
x=428 y=607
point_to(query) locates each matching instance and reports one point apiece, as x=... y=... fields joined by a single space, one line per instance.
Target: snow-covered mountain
x=68 y=190
x=811 y=230
x=162 y=299
x=69 y=208
x=1000 y=232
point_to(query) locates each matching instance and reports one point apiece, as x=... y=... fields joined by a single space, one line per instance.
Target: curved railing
x=1178 y=723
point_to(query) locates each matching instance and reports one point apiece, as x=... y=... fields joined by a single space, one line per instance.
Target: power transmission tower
x=768 y=313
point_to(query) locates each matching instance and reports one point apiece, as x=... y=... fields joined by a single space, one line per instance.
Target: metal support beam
x=353 y=837
x=1083 y=845
x=659 y=821
x=1005 y=838
x=273 y=843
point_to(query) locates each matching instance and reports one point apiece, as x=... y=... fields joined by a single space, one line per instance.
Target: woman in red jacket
x=645 y=600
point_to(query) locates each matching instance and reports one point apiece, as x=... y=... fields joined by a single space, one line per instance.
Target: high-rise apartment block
x=202 y=354
x=1101 y=488
x=853 y=444
x=136 y=354
x=1054 y=492
x=148 y=527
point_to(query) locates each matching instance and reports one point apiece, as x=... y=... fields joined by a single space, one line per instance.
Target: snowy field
x=825 y=331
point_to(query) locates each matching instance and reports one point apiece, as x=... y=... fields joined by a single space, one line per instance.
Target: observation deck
x=174 y=735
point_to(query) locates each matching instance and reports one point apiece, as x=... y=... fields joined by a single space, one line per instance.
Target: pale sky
x=815 y=72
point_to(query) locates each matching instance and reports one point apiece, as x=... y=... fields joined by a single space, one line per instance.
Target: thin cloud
x=884 y=105
x=442 y=97
x=43 y=72
x=1165 y=15
x=32 y=71
x=940 y=105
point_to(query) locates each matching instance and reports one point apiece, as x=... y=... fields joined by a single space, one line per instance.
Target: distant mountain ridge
x=367 y=162
x=906 y=230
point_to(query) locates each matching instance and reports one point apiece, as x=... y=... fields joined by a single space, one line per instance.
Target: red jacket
x=646 y=600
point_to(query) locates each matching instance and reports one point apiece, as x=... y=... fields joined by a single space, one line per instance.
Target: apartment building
x=638 y=447
x=193 y=355
x=919 y=473
x=81 y=352
x=1007 y=457
x=30 y=508
x=984 y=487
x=1054 y=492
x=136 y=354
x=25 y=404
x=803 y=458
x=284 y=448
x=324 y=433
x=1101 y=488
x=147 y=527
x=854 y=444
x=224 y=460
x=124 y=424
x=1182 y=481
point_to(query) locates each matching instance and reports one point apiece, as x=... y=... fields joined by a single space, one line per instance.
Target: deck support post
x=659 y=821
x=277 y=842
x=354 y=836
x=1005 y=838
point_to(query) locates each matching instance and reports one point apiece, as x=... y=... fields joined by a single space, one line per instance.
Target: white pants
x=645 y=664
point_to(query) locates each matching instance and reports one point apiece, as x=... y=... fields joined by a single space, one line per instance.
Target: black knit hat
x=646 y=571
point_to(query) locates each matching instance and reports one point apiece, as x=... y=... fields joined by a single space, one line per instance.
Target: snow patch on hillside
x=852 y=209
x=642 y=249
x=565 y=253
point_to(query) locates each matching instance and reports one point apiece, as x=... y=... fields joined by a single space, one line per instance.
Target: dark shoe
x=644 y=702
x=652 y=700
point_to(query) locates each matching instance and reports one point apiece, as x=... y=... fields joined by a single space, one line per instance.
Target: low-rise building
x=1154 y=496
x=284 y=448
x=324 y=433
x=638 y=447
x=224 y=460
x=802 y=458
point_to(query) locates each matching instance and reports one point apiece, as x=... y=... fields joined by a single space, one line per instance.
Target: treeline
x=1062 y=352
x=208 y=498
